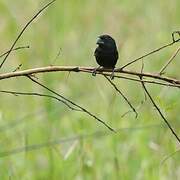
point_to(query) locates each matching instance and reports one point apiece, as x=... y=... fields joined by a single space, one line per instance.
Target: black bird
x=106 y=53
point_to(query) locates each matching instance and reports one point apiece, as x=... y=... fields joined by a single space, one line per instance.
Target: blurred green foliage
x=72 y=27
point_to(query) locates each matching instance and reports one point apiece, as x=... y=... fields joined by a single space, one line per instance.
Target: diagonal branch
x=40 y=95
x=169 y=61
x=74 y=104
x=159 y=111
x=22 y=31
x=154 y=51
x=125 y=98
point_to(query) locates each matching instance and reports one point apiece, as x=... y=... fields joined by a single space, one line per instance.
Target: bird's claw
x=112 y=75
x=94 y=73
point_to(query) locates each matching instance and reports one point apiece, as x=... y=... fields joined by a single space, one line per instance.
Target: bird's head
x=106 y=42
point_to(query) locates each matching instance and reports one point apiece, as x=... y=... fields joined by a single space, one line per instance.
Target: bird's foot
x=112 y=75
x=95 y=71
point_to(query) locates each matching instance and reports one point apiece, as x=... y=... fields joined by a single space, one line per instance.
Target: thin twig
x=142 y=68
x=58 y=54
x=138 y=107
x=15 y=49
x=40 y=95
x=125 y=98
x=146 y=81
x=173 y=36
x=74 y=104
x=17 y=68
x=152 y=52
x=22 y=31
x=158 y=109
x=170 y=155
x=169 y=61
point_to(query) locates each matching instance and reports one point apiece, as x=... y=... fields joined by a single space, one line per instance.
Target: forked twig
x=22 y=31
x=71 y=102
x=15 y=49
x=156 y=50
x=169 y=61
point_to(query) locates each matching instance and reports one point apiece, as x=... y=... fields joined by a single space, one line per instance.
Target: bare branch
x=125 y=98
x=159 y=111
x=22 y=31
x=169 y=61
x=40 y=95
x=15 y=49
x=154 y=51
x=74 y=104
x=88 y=70
x=146 y=81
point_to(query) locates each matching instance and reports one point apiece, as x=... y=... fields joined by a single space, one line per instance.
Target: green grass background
x=73 y=26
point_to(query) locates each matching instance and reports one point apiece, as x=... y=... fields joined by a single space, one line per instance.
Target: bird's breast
x=106 y=58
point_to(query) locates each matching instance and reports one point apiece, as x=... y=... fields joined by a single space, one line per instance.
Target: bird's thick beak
x=100 y=41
